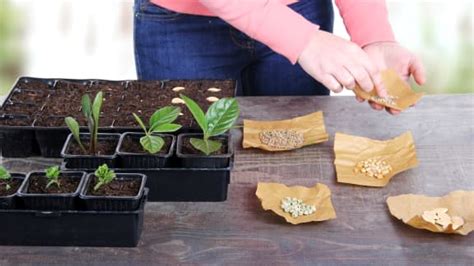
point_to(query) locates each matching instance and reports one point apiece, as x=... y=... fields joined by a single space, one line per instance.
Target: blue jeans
x=170 y=45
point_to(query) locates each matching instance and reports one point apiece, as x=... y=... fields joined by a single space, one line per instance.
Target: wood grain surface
x=239 y=232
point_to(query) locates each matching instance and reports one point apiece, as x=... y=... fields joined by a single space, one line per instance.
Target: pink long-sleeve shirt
x=285 y=31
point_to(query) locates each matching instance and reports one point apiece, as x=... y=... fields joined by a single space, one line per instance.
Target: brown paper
x=311 y=126
x=271 y=194
x=410 y=207
x=398 y=152
x=405 y=96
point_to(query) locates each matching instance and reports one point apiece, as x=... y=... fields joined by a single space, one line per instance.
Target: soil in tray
x=105 y=147
x=187 y=148
x=21 y=108
x=14 y=184
x=37 y=185
x=32 y=84
x=70 y=103
x=58 y=121
x=118 y=187
x=29 y=96
x=133 y=145
x=15 y=121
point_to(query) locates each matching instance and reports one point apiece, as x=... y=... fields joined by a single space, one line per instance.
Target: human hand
x=336 y=62
x=385 y=55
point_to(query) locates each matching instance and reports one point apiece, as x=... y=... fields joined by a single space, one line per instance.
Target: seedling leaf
x=140 y=122
x=197 y=112
x=221 y=116
x=152 y=144
x=104 y=176
x=163 y=116
x=206 y=146
x=165 y=128
x=52 y=174
x=74 y=128
x=4 y=174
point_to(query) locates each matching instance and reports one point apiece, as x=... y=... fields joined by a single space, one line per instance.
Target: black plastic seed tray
x=72 y=228
x=182 y=184
x=32 y=139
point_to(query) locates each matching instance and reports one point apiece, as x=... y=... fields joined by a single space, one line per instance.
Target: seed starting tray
x=72 y=227
x=32 y=115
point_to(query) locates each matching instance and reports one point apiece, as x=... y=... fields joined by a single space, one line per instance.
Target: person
x=272 y=47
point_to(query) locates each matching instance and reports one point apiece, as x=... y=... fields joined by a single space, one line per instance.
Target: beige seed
x=176 y=89
x=282 y=138
x=214 y=90
x=458 y=222
x=429 y=216
x=212 y=99
x=181 y=114
x=177 y=101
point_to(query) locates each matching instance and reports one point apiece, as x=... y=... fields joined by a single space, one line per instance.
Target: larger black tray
x=32 y=140
x=72 y=228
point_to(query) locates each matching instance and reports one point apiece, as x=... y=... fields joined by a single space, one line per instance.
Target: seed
x=212 y=99
x=295 y=207
x=440 y=216
x=282 y=138
x=181 y=114
x=458 y=222
x=214 y=90
x=176 y=89
x=373 y=167
x=177 y=101
x=385 y=100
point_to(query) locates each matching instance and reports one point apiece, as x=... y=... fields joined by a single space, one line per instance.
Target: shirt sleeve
x=268 y=21
x=366 y=21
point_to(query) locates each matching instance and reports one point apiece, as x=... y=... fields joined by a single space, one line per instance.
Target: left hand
x=386 y=55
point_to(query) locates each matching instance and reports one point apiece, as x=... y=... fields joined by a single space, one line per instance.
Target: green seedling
x=219 y=118
x=160 y=122
x=5 y=176
x=104 y=176
x=91 y=112
x=52 y=174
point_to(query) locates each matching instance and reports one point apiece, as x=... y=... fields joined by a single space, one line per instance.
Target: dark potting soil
x=187 y=147
x=104 y=147
x=32 y=84
x=29 y=96
x=118 y=187
x=16 y=121
x=37 y=185
x=14 y=184
x=21 y=108
x=133 y=145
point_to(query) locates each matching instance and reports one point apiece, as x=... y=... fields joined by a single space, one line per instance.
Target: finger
x=375 y=76
x=361 y=77
x=376 y=106
x=417 y=70
x=345 y=78
x=392 y=111
x=360 y=99
x=331 y=83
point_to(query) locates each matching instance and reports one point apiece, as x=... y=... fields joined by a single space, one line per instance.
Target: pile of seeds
x=296 y=207
x=373 y=167
x=385 y=100
x=282 y=138
x=441 y=217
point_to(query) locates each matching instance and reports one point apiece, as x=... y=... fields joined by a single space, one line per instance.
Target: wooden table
x=238 y=231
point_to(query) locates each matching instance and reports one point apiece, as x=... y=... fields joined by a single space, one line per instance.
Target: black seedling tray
x=182 y=184
x=34 y=140
x=72 y=228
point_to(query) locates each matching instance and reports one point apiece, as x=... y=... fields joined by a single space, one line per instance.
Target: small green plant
x=104 y=176
x=91 y=112
x=5 y=176
x=160 y=122
x=219 y=118
x=52 y=174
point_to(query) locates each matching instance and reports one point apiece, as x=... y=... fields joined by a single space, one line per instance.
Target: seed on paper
x=458 y=222
x=177 y=101
x=212 y=99
x=176 y=89
x=296 y=207
x=282 y=138
x=385 y=100
x=440 y=216
x=373 y=167
x=214 y=90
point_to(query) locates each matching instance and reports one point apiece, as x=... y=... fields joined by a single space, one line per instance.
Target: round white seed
x=176 y=89
x=177 y=101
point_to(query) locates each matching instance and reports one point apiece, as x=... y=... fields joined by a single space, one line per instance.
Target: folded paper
x=284 y=135
x=399 y=153
x=400 y=95
x=272 y=194
x=410 y=208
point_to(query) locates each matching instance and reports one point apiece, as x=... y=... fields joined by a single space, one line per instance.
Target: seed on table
x=214 y=90
x=176 y=89
x=282 y=138
x=212 y=99
x=177 y=101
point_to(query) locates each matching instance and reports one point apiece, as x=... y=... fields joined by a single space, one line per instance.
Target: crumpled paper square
x=349 y=150
x=396 y=87
x=271 y=194
x=410 y=207
x=311 y=126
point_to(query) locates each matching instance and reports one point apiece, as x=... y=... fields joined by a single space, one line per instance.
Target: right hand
x=338 y=63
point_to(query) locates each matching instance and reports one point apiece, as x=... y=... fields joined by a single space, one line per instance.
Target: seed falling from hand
x=212 y=99
x=178 y=89
x=214 y=90
x=177 y=101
